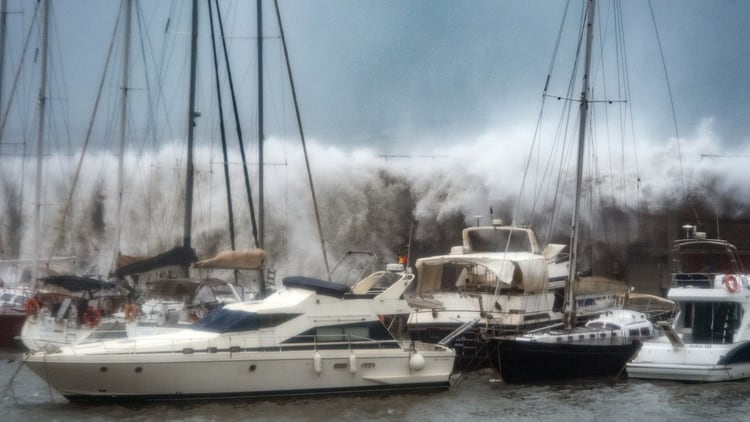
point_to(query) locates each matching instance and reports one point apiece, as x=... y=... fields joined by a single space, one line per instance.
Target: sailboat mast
x=191 y=123
x=261 y=134
x=40 y=147
x=570 y=316
x=123 y=121
x=3 y=29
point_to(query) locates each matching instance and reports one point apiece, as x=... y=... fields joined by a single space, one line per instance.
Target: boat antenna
x=688 y=228
x=408 y=245
x=716 y=220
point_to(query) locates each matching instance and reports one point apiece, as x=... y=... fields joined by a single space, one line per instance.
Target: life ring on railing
x=131 y=311
x=731 y=283
x=91 y=317
x=32 y=306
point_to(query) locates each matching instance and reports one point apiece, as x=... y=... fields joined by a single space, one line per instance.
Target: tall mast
x=128 y=4
x=570 y=316
x=261 y=135
x=191 y=123
x=3 y=28
x=40 y=147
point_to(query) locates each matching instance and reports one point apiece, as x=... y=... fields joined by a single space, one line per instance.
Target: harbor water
x=476 y=396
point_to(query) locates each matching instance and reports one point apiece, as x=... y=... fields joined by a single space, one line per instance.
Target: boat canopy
x=231 y=321
x=321 y=287
x=525 y=271
x=75 y=283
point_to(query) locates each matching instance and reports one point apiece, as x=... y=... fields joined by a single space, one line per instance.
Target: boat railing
x=187 y=345
x=699 y=280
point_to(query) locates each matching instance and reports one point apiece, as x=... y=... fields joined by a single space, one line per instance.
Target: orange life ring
x=131 y=311
x=91 y=317
x=731 y=283
x=32 y=306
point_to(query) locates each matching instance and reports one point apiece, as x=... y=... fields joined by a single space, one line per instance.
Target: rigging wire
x=221 y=124
x=238 y=128
x=671 y=99
x=18 y=72
x=537 y=129
x=302 y=137
x=86 y=140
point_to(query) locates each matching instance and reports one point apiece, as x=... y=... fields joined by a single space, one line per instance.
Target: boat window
x=611 y=326
x=603 y=325
x=342 y=333
x=230 y=321
x=712 y=322
x=497 y=240
x=386 y=280
x=204 y=295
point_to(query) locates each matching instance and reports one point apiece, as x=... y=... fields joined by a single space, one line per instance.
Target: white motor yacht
x=709 y=339
x=311 y=337
x=501 y=277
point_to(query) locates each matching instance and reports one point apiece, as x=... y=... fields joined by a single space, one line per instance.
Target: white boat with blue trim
x=709 y=339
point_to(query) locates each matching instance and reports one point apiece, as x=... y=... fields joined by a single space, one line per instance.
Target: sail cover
x=179 y=255
x=252 y=259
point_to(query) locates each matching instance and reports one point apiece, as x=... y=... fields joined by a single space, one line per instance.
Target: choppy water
x=477 y=396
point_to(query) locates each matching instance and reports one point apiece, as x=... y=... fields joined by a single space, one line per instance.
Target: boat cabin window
x=215 y=294
x=497 y=240
x=324 y=334
x=232 y=321
x=711 y=322
x=639 y=332
x=705 y=261
x=602 y=325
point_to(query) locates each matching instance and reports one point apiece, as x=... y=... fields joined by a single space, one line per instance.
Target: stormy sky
x=457 y=84
x=398 y=76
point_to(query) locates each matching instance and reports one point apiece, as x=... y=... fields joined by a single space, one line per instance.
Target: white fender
x=416 y=362
x=317 y=363
x=352 y=363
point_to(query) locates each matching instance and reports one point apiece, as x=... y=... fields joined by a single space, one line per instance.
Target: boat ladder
x=458 y=331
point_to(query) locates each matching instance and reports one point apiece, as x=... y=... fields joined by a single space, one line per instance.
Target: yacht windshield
x=232 y=321
x=497 y=240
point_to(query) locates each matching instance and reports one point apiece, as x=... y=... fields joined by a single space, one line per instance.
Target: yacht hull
x=189 y=375
x=11 y=322
x=692 y=362
x=523 y=361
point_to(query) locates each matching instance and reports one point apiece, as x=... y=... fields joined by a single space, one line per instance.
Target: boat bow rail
x=222 y=344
